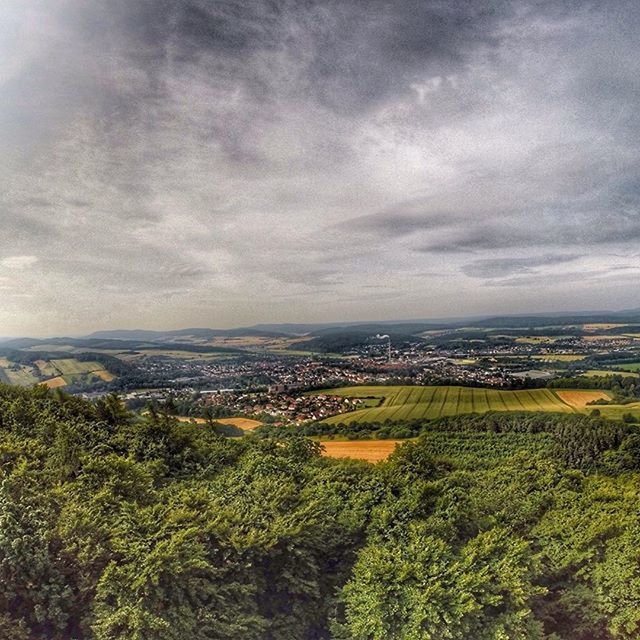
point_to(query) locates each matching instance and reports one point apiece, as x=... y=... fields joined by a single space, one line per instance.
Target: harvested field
x=579 y=398
x=246 y=424
x=369 y=450
x=103 y=374
x=55 y=383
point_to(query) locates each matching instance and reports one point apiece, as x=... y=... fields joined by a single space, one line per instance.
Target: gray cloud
x=502 y=267
x=264 y=161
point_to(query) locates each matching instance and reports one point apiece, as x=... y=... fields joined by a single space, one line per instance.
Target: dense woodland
x=116 y=527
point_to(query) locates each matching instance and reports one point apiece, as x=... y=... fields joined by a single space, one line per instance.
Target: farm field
x=135 y=354
x=54 y=373
x=369 y=450
x=538 y=339
x=618 y=411
x=608 y=372
x=559 y=357
x=416 y=403
x=603 y=326
x=55 y=383
x=105 y=375
x=631 y=366
x=75 y=371
x=246 y=424
x=580 y=399
x=70 y=366
x=46 y=368
x=19 y=375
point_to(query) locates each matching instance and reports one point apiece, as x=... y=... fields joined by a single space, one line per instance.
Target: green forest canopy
x=115 y=527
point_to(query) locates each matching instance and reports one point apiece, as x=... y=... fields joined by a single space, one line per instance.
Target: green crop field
x=19 y=375
x=416 y=403
x=611 y=372
x=631 y=366
x=70 y=366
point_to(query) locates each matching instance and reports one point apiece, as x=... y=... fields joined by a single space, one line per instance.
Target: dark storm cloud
x=242 y=156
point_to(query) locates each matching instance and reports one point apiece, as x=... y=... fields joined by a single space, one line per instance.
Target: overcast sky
x=171 y=163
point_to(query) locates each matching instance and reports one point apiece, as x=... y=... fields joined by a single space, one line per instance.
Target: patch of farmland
x=71 y=366
x=631 y=366
x=47 y=369
x=246 y=424
x=579 y=399
x=417 y=403
x=559 y=357
x=603 y=326
x=609 y=372
x=55 y=383
x=20 y=375
x=105 y=375
x=369 y=450
x=618 y=411
x=134 y=354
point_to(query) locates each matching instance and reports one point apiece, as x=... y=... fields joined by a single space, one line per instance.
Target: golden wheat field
x=579 y=398
x=369 y=450
x=246 y=424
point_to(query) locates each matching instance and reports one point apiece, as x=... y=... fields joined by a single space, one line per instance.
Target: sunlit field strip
x=414 y=403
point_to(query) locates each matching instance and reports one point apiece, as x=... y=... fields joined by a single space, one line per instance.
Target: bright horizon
x=392 y=320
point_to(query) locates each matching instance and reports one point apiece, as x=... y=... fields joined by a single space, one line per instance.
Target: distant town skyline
x=180 y=163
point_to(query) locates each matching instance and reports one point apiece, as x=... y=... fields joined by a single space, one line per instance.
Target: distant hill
x=114 y=344
x=132 y=338
x=203 y=334
x=631 y=316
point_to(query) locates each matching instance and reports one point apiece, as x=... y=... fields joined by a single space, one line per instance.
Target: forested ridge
x=114 y=526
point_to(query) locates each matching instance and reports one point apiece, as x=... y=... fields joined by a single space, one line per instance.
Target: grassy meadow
x=633 y=367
